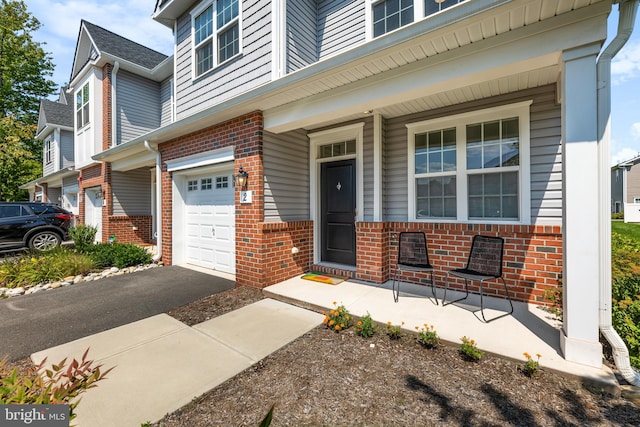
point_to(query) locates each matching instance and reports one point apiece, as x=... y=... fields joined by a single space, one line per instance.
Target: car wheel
x=44 y=241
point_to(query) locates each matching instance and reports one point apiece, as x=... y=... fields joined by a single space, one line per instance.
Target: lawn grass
x=626 y=229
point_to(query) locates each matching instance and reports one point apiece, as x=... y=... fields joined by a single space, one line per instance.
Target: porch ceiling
x=477 y=28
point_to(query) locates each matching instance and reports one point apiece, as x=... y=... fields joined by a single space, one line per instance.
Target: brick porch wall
x=278 y=240
x=532 y=255
x=123 y=228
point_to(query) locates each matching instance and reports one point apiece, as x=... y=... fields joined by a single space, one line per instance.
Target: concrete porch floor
x=529 y=329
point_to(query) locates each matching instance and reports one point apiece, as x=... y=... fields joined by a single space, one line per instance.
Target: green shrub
x=625 y=293
x=427 y=336
x=56 y=385
x=366 y=327
x=118 y=254
x=46 y=267
x=83 y=235
x=617 y=215
x=469 y=349
x=337 y=319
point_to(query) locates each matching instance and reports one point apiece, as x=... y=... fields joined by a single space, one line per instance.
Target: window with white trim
x=48 y=150
x=82 y=106
x=636 y=200
x=222 y=181
x=192 y=185
x=435 y=6
x=471 y=167
x=389 y=15
x=216 y=34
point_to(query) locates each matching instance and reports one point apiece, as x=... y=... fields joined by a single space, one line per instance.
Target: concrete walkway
x=161 y=364
x=529 y=329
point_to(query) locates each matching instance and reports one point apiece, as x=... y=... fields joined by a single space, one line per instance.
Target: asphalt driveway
x=31 y=323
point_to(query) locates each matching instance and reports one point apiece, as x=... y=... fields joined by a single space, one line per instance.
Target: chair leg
x=444 y=298
x=433 y=289
x=508 y=299
x=396 y=293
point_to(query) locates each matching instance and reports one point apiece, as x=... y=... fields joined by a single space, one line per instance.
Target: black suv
x=38 y=226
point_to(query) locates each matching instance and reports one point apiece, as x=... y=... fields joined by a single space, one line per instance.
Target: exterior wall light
x=241 y=179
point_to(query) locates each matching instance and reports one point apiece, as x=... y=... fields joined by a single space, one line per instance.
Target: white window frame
x=460 y=122
x=636 y=200
x=418 y=15
x=213 y=38
x=86 y=115
x=48 y=150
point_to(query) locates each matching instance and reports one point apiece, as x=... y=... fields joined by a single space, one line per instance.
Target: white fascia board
x=201 y=159
x=500 y=56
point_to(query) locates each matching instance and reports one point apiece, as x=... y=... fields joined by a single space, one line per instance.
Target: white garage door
x=210 y=221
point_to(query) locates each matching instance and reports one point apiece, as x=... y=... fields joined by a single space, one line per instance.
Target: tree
x=25 y=68
x=18 y=164
x=25 y=71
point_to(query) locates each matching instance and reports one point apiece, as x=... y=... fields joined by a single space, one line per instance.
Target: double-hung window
x=216 y=34
x=48 y=150
x=389 y=15
x=471 y=167
x=82 y=106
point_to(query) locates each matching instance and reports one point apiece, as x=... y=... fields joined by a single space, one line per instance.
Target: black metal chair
x=413 y=257
x=484 y=263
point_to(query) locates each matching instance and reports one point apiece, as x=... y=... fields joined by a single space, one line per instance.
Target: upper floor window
x=435 y=6
x=82 y=106
x=473 y=166
x=389 y=15
x=48 y=150
x=216 y=34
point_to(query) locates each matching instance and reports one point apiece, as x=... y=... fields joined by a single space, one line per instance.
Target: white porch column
x=581 y=252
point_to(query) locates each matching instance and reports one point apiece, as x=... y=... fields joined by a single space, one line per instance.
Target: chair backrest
x=486 y=255
x=412 y=249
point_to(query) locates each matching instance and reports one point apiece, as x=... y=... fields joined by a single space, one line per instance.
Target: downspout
x=158 y=218
x=626 y=21
x=114 y=118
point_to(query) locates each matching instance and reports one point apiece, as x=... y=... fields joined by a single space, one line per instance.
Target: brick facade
x=130 y=229
x=244 y=133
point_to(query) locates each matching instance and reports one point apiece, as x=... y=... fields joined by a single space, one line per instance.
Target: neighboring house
x=625 y=189
x=59 y=181
x=120 y=90
x=356 y=120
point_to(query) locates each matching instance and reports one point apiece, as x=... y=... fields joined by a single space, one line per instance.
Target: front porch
x=530 y=329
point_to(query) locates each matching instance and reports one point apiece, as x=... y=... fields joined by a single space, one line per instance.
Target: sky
x=60 y=21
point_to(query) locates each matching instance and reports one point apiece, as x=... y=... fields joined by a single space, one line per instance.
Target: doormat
x=323 y=278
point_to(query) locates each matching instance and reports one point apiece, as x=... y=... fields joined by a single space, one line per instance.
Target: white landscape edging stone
x=71 y=280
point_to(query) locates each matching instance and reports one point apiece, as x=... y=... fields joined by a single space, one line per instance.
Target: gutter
x=158 y=217
x=626 y=21
x=114 y=117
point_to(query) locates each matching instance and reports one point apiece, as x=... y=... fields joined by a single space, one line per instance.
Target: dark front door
x=338 y=211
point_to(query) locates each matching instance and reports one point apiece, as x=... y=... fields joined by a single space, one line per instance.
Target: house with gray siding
x=58 y=183
x=625 y=189
x=353 y=121
x=118 y=90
